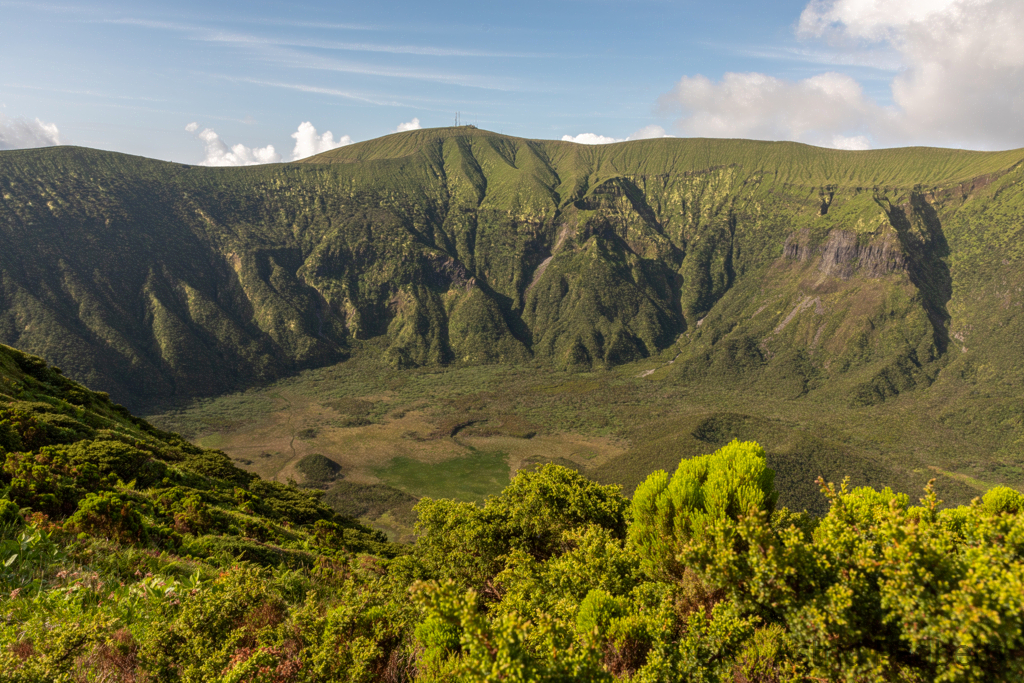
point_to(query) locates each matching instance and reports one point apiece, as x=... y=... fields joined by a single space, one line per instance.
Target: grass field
x=463 y=432
x=471 y=477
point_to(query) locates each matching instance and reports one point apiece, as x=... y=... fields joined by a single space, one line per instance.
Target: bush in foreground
x=557 y=578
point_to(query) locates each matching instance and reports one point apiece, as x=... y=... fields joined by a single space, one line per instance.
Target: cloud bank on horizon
x=219 y=154
x=21 y=133
x=961 y=81
x=308 y=141
x=645 y=133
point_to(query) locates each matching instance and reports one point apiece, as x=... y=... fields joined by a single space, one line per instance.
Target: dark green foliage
x=369 y=500
x=227 y=550
x=318 y=470
x=109 y=457
x=216 y=465
x=10 y=514
x=48 y=481
x=29 y=430
x=108 y=515
x=533 y=515
x=287 y=502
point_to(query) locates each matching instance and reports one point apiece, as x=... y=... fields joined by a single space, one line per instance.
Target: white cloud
x=753 y=105
x=308 y=142
x=644 y=133
x=409 y=125
x=648 y=132
x=591 y=139
x=856 y=142
x=20 y=133
x=871 y=19
x=219 y=154
x=960 y=81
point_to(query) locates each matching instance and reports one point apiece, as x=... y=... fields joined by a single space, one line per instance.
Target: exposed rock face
x=798 y=246
x=843 y=254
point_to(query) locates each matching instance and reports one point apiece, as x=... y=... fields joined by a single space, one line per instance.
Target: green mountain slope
x=78 y=462
x=777 y=267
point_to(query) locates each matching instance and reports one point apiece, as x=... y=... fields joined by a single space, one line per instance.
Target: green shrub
x=48 y=481
x=110 y=515
x=109 y=457
x=10 y=514
x=597 y=612
x=228 y=550
x=10 y=439
x=534 y=515
x=216 y=465
x=318 y=470
x=287 y=502
x=1002 y=499
x=187 y=511
x=704 y=493
x=21 y=429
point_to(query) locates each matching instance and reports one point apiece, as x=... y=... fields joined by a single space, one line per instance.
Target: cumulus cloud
x=308 y=142
x=871 y=19
x=408 y=125
x=960 y=81
x=644 y=133
x=20 y=133
x=753 y=105
x=219 y=154
x=591 y=139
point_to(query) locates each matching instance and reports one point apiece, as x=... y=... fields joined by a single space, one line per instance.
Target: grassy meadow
x=462 y=432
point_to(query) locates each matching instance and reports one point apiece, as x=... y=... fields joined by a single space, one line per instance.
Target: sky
x=234 y=83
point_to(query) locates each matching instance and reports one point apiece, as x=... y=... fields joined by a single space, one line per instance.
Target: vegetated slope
x=778 y=267
x=80 y=463
x=127 y=554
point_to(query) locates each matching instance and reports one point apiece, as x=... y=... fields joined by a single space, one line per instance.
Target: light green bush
x=704 y=493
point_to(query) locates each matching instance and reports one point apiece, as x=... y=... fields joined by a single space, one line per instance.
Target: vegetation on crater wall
x=462 y=246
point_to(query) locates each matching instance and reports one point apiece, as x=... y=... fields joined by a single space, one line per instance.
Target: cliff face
x=774 y=264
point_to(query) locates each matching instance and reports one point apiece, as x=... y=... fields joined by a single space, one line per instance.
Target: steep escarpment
x=778 y=265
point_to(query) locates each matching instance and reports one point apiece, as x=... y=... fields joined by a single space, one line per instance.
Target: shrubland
x=128 y=554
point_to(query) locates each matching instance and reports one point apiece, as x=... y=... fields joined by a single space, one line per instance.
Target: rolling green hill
x=835 y=278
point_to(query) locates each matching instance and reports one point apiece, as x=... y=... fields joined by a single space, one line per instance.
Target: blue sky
x=132 y=77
